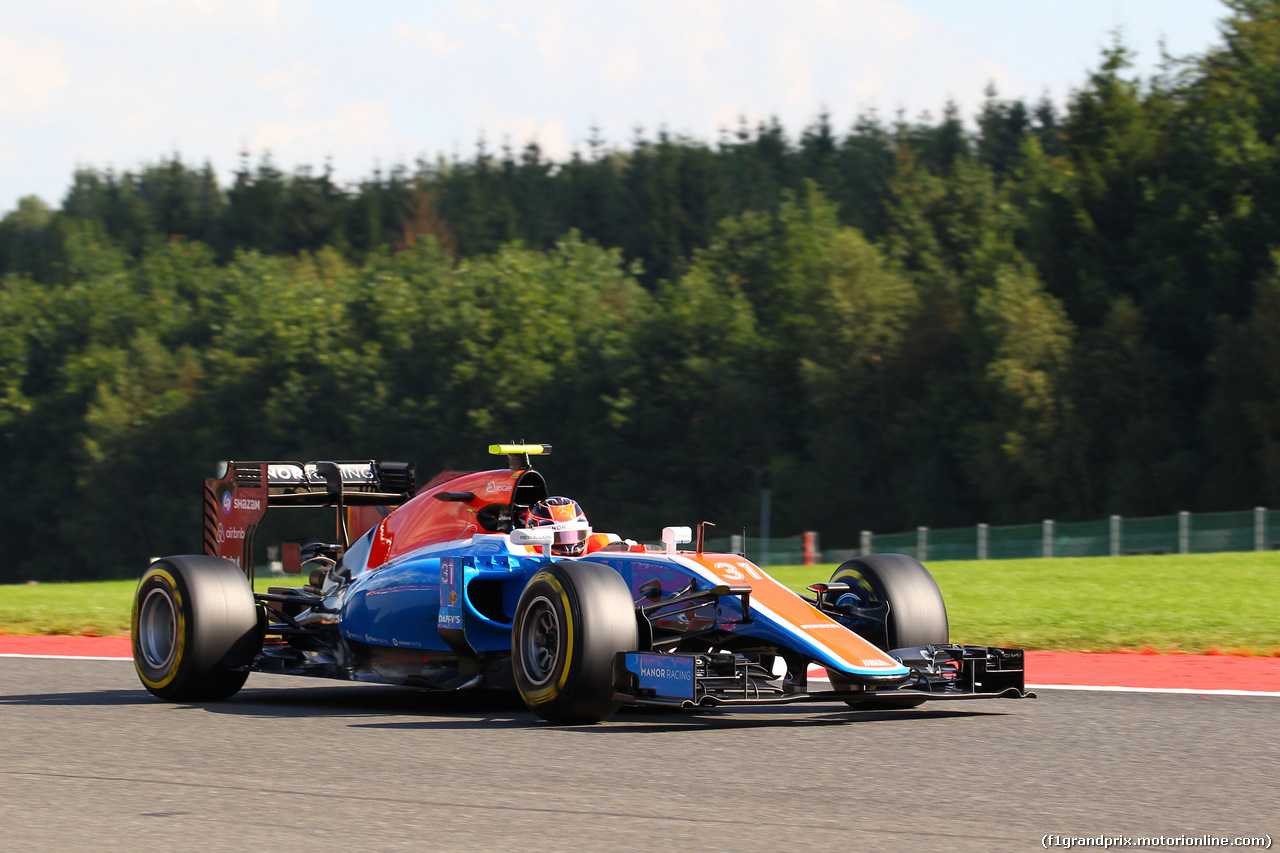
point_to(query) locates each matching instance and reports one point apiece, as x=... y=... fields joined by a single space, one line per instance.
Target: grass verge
x=91 y=609
x=1196 y=603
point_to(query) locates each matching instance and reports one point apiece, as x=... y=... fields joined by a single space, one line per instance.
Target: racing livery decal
x=789 y=611
x=450 y=605
x=669 y=676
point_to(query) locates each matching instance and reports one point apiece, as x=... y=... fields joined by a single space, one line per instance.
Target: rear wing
x=238 y=497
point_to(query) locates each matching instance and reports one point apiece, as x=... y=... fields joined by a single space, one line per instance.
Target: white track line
x=1153 y=690
x=59 y=657
x=824 y=681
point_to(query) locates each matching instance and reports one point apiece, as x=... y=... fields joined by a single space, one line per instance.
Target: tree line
x=1054 y=313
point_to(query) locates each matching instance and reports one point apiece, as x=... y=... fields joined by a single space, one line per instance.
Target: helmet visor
x=571 y=537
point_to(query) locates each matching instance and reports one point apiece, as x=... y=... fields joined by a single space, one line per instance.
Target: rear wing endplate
x=237 y=498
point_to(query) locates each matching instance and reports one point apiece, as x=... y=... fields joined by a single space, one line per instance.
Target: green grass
x=1197 y=603
x=97 y=608
x=1227 y=602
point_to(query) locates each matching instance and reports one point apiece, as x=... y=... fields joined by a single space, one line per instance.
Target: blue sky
x=122 y=82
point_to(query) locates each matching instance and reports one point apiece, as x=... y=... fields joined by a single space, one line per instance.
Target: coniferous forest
x=1049 y=312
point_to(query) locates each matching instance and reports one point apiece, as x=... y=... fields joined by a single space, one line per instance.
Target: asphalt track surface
x=93 y=762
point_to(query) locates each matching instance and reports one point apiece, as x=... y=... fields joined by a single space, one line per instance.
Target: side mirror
x=672 y=536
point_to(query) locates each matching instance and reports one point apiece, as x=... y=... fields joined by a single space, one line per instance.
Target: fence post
x=922 y=543
x=982 y=541
x=1184 y=532
x=1259 y=528
x=735 y=543
x=866 y=543
x=1115 y=536
x=810 y=547
x=1047 y=538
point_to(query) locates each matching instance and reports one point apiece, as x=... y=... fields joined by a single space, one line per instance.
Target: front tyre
x=917 y=615
x=572 y=620
x=195 y=628
x=914 y=613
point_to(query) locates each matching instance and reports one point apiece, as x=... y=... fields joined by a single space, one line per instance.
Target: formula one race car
x=485 y=580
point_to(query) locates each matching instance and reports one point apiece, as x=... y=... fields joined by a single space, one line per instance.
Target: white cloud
x=548 y=33
x=349 y=128
x=891 y=25
x=120 y=83
x=296 y=85
x=865 y=90
x=31 y=74
x=437 y=43
x=794 y=74
x=472 y=11
x=700 y=33
x=622 y=68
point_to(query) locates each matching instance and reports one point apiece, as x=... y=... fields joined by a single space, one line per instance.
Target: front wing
x=706 y=680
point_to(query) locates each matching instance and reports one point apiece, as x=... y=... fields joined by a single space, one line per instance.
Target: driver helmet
x=570 y=522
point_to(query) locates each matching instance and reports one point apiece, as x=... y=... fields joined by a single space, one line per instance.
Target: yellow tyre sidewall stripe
x=568 y=630
x=181 y=631
x=549 y=693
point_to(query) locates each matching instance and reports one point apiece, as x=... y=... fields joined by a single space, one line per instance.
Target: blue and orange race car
x=487 y=581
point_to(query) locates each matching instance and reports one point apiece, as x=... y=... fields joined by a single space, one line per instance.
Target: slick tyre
x=917 y=614
x=572 y=619
x=195 y=629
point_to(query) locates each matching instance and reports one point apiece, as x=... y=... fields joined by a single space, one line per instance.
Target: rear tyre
x=195 y=628
x=572 y=619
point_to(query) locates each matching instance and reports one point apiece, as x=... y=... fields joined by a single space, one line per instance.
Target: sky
x=365 y=85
